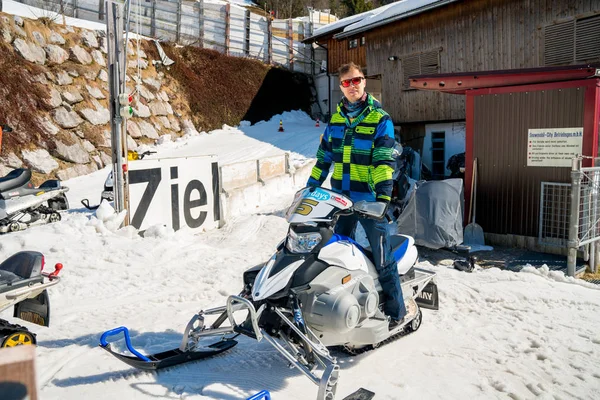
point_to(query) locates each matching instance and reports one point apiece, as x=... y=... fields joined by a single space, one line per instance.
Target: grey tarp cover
x=433 y=214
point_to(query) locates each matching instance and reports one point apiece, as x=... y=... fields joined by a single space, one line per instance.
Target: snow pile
x=557 y=276
x=107 y=220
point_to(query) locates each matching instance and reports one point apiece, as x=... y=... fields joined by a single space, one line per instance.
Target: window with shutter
x=587 y=39
x=419 y=64
x=572 y=42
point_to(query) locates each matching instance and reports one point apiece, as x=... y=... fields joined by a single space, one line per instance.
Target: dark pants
x=386 y=266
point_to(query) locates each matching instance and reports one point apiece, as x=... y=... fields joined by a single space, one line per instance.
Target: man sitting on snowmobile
x=359 y=141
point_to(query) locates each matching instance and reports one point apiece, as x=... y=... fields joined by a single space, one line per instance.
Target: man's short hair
x=344 y=69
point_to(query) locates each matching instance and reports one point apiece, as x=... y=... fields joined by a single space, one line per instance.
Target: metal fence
x=570 y=214
x=555 y=202
x=227 y=28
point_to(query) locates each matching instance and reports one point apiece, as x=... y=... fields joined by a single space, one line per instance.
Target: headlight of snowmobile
x=302 y=242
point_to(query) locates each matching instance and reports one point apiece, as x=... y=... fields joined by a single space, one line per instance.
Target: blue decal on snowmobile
x=401 y=251
x=320 y=195
x=336 y=237
x=298 y=317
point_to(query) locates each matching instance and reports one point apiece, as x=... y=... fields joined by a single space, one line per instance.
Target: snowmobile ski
x=189 y=350
x=172 y=357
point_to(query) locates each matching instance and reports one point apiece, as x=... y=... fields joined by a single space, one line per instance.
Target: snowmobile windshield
x=316 y=205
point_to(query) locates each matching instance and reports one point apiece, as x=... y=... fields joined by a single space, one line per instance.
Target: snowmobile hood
x=266 y=285
x=316 y=205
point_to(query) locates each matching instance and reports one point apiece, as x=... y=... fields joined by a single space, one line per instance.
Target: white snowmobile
x=320 y=290
x=23 y=284
x=23 y=205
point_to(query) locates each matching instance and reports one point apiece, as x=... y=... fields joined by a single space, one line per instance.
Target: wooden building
x=523 y=128
x=415 y=37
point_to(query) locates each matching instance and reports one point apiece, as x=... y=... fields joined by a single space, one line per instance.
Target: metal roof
x=337 y=26
x=391 y=13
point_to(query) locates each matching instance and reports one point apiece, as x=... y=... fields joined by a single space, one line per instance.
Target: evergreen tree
x=357 y=6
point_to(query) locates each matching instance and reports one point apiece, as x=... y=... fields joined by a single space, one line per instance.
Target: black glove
x=311 y=185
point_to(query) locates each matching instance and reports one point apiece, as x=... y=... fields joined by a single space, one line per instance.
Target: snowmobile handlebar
x=371 y=209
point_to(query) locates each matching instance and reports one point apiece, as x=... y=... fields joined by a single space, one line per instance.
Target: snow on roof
x=392 y=12
x=324 y=30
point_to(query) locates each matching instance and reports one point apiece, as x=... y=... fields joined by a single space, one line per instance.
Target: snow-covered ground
x=498 y=334
x=250 y=142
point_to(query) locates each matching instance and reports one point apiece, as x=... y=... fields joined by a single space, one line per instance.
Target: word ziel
x=186 y=203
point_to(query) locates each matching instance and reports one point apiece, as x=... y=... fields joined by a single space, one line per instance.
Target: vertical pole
x=247 y=31
x=227 y=26
x=62 y=11
x=290 y=37
x=153 y=20
x=269 y=40
x=541 y=215
x=75 y=9
x=178 y=32
x=101 y=7
x=116 y=59
x=201 y=24
x=596 y=257
x=592 y=261
x=573 y=242
x=314 y=67
x=594 y=217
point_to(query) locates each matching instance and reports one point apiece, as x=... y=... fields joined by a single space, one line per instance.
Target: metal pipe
x=318 y=347
x=231 y=300
x=573 y=242
x=291 y=358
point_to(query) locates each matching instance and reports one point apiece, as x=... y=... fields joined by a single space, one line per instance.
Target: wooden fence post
x=17 y=364
x=201 y=24
x=153 y=21
x=290 y=37
x=101 y=10
x=178 y=33
x=227 y=27
x=269 y=40
x=247 y=30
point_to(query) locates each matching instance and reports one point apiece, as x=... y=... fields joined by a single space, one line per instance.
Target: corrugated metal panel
x=507 y=189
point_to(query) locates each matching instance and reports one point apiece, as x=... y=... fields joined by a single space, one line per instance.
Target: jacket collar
x=371 y=103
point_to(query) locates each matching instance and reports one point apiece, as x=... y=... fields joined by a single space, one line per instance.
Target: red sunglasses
x=355 y=81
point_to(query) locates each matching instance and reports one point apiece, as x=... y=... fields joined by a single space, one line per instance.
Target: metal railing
x=584 y=218
x=555 y=200
x=229 y=29
x=570 y=214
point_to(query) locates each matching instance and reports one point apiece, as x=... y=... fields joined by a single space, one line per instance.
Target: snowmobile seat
x=21 y=270
x=23 y=264
x=15 y=178
x=400 y=245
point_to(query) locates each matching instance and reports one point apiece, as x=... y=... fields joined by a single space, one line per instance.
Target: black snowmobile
x=24 y=285
x=23 y=205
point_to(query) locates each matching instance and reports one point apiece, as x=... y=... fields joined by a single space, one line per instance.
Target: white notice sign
x=553 y=147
